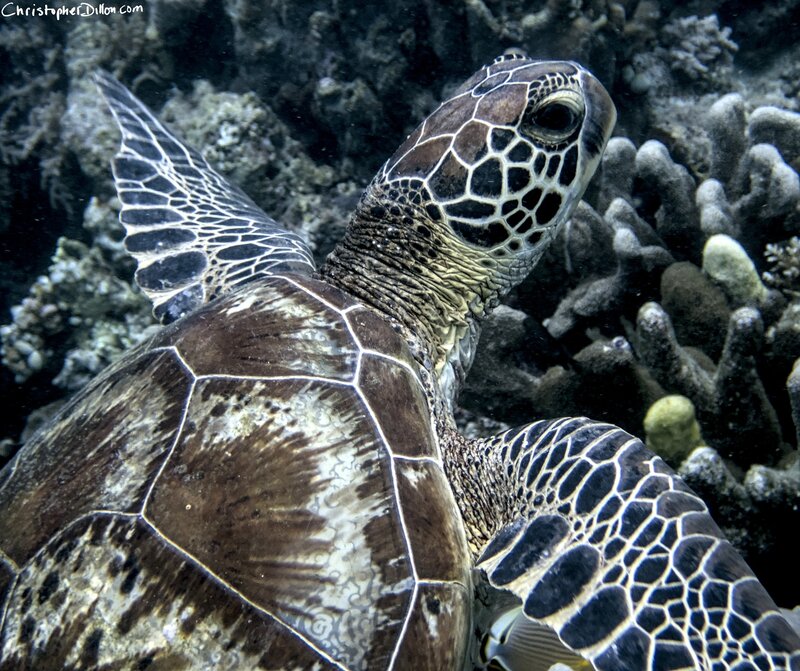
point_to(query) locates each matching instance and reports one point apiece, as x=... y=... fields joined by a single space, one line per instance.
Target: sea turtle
x=274 y=480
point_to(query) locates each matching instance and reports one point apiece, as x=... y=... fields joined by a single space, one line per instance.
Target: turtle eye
x=554 y=119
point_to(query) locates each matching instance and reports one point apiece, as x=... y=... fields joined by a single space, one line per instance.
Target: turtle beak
x=601 y=115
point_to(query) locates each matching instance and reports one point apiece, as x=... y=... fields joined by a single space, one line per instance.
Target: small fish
x=516 y=643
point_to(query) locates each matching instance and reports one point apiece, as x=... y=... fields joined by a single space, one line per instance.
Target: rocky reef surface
x=669 y=305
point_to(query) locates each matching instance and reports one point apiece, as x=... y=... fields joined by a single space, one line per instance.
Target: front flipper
x=602 y=542
x=193 y=234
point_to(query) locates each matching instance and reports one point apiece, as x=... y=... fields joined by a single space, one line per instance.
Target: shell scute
x=247 y=471
x=286 y=496
x=375 y=333
x=435 y=532
x=267 y=330
x=101 y=452
x=434 y=636
x=107 y=592
x=324 y=292
x=398 y=405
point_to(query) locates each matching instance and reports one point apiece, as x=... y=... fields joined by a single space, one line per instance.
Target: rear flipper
x=603 y=543
x=194 y=234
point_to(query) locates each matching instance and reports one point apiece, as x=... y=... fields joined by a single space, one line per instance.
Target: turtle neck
x=399 y=259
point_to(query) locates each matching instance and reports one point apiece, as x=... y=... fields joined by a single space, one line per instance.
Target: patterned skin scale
x=274 y=481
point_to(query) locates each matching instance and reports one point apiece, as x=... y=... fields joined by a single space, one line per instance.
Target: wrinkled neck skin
x=436 y=290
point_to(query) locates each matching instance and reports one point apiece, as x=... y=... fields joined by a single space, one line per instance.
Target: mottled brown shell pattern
x=259 y=486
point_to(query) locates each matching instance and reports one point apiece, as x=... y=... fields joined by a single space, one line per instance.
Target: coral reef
x=671 y=428
x=247 y=142
x=697 y=47
x=784 y=260
x=793 y=385
x=105 y=315
x=755 y=510
x=726 y=262
x=733 y=407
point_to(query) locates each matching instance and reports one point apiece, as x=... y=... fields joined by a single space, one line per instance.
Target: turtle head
x=466 y=205
x=505 y=159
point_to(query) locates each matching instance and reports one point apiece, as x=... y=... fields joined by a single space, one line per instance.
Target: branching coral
x=696 y=45
x=733 y=408
x=784 y=260
x=671 y=428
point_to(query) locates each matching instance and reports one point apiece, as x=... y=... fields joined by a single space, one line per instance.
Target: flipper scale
x=606 y=545
x=193 y=234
